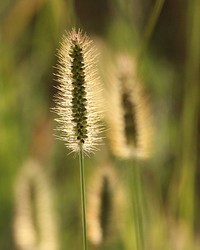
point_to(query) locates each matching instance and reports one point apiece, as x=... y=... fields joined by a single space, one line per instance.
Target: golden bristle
x=129 y=117
x=34 y=225
x=103 y=205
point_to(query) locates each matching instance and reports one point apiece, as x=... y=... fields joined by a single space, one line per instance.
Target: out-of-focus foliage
x=30 y=32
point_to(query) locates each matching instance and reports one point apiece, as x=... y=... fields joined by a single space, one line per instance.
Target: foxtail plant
x=104 y=205
x=128 y=116
x=77 y=101
x=78 y=97
x=34 y=223
x=130 y=132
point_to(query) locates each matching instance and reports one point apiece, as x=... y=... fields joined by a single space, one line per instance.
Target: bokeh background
x=30 y=32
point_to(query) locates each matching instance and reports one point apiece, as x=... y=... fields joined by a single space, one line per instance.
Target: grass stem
x=150 y=27
x=83 y=199
x=137 y=204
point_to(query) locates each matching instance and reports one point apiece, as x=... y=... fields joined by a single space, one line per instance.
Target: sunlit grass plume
x=78 y=93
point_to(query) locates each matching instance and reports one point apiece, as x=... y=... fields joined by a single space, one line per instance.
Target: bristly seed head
x=131 y=122
x=78 y=96
x=104 y=205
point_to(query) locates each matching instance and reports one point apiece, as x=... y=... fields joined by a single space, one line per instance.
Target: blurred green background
x=30 y=32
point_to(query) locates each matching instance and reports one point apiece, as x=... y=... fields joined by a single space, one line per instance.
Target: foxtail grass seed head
x=34 y=225
x=103 y=213
x=128 y=116
x=79 y=93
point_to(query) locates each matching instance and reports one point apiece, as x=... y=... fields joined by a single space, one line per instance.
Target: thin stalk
x=83 y=200
x=150 y=26
x=189 y=155
x=137 y=204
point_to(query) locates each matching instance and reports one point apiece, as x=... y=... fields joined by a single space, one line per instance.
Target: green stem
x=83 y=200
x=190 y=130
x=150 y=26
x=137 y=204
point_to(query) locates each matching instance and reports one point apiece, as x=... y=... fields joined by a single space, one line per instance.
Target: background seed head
x=128 y=117
x=105 y=200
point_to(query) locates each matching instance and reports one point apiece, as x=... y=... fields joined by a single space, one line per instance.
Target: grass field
x=134 y=203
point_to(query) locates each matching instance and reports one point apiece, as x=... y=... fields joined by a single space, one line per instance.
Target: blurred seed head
x=103 y=205
x=78 y=93
x=34 y=224
x=129 y=117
